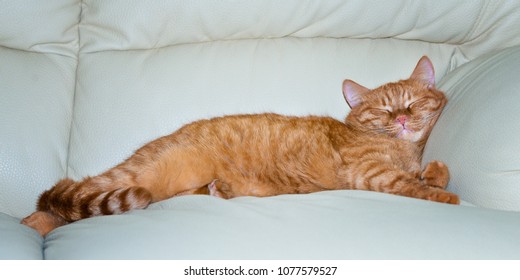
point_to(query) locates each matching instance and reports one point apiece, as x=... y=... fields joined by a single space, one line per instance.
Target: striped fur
x=377 y=148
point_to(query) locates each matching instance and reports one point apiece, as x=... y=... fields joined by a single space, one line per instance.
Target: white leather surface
x=18 y=242
x=38 y=47
x=48 y=26
x=478 y=134
x=35 y=116
x=324 y=225
x=120 y=25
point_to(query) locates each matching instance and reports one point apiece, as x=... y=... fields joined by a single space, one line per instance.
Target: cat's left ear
x=353 y=92
x=424 y=72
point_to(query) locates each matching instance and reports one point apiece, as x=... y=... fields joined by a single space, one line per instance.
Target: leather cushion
x=478 y=133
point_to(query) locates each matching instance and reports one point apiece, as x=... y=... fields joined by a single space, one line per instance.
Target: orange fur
x=378 y=147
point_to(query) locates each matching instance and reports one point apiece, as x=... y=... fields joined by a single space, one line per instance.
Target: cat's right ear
x=353 y=92
x=424 y=72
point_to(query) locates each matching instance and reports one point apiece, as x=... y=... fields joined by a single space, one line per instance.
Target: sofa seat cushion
x=18 y=242
x=324 y=225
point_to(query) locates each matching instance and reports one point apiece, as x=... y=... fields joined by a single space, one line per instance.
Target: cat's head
x=406 y=109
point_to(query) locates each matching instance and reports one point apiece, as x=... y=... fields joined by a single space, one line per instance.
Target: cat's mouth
x=405 y=134
x=408 y=134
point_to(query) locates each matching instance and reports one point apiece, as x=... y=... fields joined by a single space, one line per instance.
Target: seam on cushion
x=476 y=25
x=270 y=38
x=73 y=105
x=35 y=52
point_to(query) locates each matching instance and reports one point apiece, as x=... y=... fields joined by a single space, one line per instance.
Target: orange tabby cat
x=378 y=148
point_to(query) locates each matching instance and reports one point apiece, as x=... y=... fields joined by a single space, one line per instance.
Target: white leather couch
x=85 y=83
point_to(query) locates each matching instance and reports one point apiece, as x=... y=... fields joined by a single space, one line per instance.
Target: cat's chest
x=385 y=150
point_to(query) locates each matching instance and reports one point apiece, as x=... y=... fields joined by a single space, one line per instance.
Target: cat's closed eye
x=421 y=104
x=380 y=111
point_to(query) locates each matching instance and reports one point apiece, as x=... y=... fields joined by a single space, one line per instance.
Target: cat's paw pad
x=436 y=174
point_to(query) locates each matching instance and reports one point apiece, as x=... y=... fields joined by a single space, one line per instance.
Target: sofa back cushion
x=38 y=47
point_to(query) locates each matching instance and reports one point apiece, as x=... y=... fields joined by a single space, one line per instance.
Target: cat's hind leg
x=214 y=189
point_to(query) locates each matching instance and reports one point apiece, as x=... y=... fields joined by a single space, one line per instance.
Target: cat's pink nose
x=402 y=119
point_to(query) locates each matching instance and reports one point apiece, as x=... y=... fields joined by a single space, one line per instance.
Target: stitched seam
x=267 y=39
x=477 y=24
x=73 y=105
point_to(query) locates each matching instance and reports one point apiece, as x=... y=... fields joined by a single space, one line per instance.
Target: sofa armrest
x=478 y=134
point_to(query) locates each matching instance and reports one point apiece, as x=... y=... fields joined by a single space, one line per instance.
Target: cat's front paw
x=436 y=174
x=443 y=196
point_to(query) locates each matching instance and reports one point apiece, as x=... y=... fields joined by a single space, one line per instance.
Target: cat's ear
x=353 y=92
x=424 y=72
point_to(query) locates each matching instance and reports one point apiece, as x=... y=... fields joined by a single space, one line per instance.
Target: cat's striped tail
x=69 y=201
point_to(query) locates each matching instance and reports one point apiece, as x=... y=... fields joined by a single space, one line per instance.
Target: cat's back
x=264 y=141
x=267 y=137
x=261 y=129
x=273 y=134
x=254 y=134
